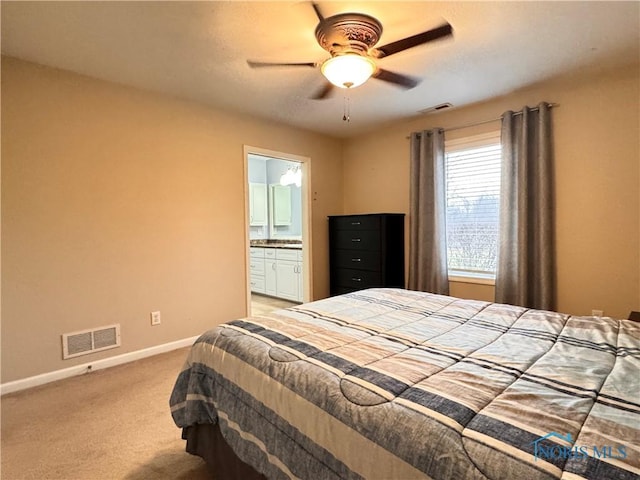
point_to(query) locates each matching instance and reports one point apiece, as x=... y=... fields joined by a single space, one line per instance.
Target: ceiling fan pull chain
x=346 y=117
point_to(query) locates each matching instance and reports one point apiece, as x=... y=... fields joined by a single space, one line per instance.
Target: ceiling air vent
x=436 y=108
x=89 y=341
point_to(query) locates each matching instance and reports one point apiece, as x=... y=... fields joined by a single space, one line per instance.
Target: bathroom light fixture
x=349 y=70
x=292 y=176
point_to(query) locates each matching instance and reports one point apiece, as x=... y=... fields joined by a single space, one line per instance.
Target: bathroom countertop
x=276 y=244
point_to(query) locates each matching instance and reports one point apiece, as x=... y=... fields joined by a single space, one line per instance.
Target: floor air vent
x=89 y=341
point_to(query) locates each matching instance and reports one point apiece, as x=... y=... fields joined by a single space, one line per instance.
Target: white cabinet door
x=258 y=211
x=270 y=278
x=300 y=286
x=270 y=273
x=281 y=204
x=287 y=279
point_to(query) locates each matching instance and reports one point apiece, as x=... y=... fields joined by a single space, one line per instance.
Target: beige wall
x=117 y=202
x=597 y=175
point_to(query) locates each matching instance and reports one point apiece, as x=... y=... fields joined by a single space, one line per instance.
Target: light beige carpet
x=109 y=424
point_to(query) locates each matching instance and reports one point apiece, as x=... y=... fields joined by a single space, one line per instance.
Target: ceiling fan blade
x=253 y=64
x=316 y=8
x=334 y=36
x=403 y=81
x=413 y=41
x=323 y=92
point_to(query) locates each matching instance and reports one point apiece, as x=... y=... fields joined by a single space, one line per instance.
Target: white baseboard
x=36 y=380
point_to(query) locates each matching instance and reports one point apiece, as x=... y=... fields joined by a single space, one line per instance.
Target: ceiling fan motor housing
x=348 y=33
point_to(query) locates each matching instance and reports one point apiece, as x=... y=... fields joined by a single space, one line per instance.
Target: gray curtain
x=428 y=235
x=526 y=258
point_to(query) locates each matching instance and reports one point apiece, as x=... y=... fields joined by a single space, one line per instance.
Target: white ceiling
x=198 y=51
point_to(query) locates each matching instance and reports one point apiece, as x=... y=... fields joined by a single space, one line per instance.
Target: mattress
x=398 y=384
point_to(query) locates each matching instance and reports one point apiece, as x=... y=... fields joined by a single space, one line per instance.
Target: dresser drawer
x=356 y=259
x=365 y=251
x=356 y=240
x=346 y=277
x=339 y=290
x=356 y=222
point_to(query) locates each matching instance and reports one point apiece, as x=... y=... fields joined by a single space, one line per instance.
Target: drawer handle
x=355 y=223
x=356 y=279
x=356 y=239
x=356 y=259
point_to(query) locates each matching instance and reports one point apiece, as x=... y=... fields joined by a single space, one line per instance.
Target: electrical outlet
x=155 y=318
x=597 y=313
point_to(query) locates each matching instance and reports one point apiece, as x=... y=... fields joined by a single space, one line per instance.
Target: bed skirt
x=207 y=442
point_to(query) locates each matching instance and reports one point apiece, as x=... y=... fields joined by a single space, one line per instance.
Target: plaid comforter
x=396 y=384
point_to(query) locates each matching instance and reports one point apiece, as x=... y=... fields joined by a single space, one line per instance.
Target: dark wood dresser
x=366 y=251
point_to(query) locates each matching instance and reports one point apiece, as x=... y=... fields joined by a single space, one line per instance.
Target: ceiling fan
x=350 y=39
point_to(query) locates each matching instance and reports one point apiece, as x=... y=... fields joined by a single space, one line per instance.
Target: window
x=473 y=205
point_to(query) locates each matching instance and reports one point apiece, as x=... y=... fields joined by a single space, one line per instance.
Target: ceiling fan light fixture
x=349 y=70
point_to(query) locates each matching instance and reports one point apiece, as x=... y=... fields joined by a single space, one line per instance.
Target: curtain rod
x=482 y=122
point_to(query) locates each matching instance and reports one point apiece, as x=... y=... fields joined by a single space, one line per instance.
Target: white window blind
x=473 y=205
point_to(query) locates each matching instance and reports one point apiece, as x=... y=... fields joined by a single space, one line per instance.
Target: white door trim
x=307 y=267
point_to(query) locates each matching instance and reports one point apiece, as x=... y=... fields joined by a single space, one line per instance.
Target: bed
x=398 y=384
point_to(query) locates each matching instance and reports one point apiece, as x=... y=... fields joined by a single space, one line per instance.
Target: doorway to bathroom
x=277 y=229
